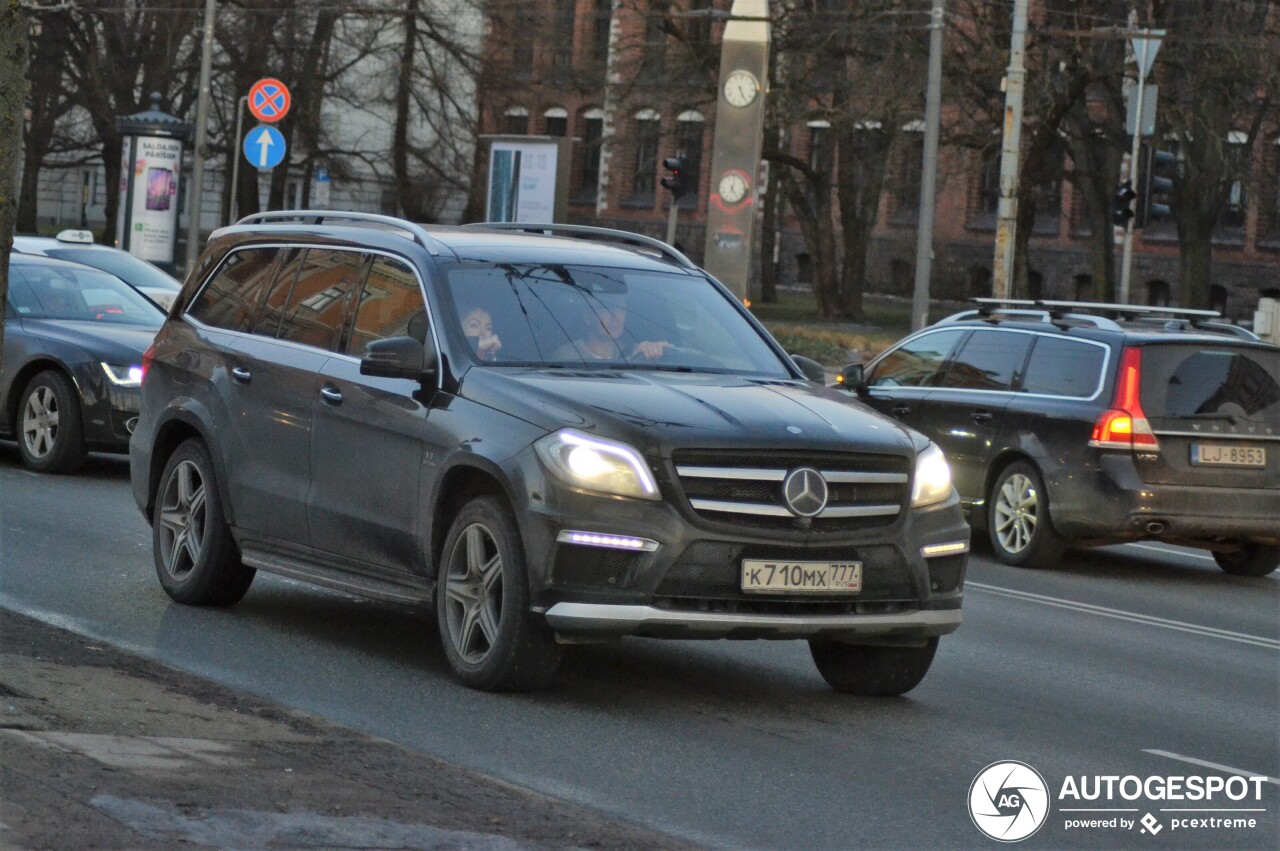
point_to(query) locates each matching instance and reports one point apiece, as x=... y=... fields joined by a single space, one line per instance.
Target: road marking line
x=1134 y=617
x=1219 y=766
x=1163 y=551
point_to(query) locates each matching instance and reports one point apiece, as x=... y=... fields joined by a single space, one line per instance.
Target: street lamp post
x=201 y=142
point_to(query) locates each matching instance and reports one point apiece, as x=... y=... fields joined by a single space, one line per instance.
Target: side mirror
x=811 y=368
x=853 y=377
x=398 y=357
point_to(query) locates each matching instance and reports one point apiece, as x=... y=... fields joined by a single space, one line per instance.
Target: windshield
x=126 y=267
x=78 y=293
x=603 y=317
x=1185 y=382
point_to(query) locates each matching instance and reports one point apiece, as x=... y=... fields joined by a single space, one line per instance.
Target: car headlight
x=123 y=376
x=596 y=464
x=932 y=478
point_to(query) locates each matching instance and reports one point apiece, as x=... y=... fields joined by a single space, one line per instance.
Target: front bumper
x=603 y=620
x=110 y=412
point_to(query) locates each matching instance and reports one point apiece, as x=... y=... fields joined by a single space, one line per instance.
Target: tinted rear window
x=1186 y=382
x=1061 y=367
x=988 y=361
x=229 y=300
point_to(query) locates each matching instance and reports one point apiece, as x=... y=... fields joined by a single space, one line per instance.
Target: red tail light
x=1124 y=425
x=147 y=357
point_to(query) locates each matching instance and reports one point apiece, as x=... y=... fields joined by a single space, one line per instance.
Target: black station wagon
x=1086 y=424
x=558 y=434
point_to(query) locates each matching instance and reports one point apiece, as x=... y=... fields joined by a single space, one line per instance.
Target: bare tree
x=1219 y=79
x=13 y=92
x=48 y=102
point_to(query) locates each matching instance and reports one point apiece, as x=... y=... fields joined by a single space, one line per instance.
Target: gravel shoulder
x=100 y=749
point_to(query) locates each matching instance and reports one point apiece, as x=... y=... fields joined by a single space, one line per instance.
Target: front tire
x=50 y=428
x=1249 y=559
x=196 y=557
x=872 y=670
x=482 y=604
x=1018 y=520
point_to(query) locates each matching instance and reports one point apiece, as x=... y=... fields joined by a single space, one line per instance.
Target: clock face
x=741 y=88
x=733 y=187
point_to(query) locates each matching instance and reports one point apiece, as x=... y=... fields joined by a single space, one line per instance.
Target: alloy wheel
x=182 y=520
x=473 y=591
x=1017 y=512
x=40 y=422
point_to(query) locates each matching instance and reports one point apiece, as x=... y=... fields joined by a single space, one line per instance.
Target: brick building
x=630 y=85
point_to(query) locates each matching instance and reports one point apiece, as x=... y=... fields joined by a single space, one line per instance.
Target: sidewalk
x=99 y=749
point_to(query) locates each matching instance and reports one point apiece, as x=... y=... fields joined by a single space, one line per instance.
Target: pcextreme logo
x=1008 y=801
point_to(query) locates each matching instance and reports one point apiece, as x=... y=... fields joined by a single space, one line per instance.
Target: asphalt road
x=1139 y=660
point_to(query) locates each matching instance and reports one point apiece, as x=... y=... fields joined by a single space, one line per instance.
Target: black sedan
x=72 y=367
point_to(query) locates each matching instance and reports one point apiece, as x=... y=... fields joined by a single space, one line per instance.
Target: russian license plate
x=1225 y=455
x=802 y=577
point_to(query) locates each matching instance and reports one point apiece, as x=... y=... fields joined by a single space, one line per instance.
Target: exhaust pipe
x=130 y=424
x=1155 y=527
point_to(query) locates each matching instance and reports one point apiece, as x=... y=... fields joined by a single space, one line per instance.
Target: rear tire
x=1018 y=520
x=49 y=426
x=196 y=557
x=872 y=670
x=491 y=639
x=1249 y=559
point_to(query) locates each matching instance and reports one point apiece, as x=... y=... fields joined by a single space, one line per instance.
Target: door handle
x=241 y=374
x=331 y=394
x=900 y=410
x=983 y=416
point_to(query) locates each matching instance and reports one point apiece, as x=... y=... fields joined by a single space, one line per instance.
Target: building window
x=1048 y=194
x=648 y=127
x=521 y=44
x=556 y=121
x=1232 y=215
x=600 y=30
x=1158 y=293
x=906 y=198
x=655 y=39
x=592 y=125
x=1084 y=287
x=1218 y=298
x=989 y=187
x=698 y=30
x=819 y=145
x=691 y=125
x=1269 y=200
x=562 y=54
x=515 y=121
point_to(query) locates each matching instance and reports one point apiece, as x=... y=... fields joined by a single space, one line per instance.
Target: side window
x=988 y=361
x=229 y=300
x=317 y=303
x=1062 y=367
x=916 y=363
x=267 y=323
x=390 y=306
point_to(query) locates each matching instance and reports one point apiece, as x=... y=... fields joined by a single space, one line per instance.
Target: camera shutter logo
x=805 y=491
x=1008 y=801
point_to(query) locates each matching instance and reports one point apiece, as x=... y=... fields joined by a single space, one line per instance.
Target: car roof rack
x=318 y=217
x=1061 y=318
x=625 y=237
x=1085 y=310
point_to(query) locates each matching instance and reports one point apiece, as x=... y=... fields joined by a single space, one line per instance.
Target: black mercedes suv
x=1087 y=424
x=559 y=434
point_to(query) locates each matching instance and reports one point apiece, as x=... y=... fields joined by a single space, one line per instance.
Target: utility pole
x=1145 y=45
x=1007 y=216
x=928 y=171
x=202 y=121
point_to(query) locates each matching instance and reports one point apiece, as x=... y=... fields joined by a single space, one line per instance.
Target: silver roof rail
x=587 y=232
x=1131 y=309
x=1031 y=315
x=318 y=217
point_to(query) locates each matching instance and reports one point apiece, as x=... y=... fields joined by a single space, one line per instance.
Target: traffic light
x=1162 y=167
x=1122 y=204
x=678 y=178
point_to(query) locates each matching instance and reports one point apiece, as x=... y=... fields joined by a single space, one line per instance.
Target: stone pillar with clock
x=735 y=158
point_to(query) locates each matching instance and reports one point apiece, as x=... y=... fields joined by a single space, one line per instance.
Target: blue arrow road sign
x=264 y=147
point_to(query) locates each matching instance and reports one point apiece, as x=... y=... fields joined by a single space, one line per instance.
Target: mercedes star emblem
x=805 y=491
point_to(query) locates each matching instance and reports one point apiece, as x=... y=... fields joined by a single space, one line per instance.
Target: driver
x=604 y=315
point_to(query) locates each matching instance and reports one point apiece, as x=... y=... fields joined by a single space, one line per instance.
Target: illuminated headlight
x=596 y=464
x=932 y=478
x=123 y=376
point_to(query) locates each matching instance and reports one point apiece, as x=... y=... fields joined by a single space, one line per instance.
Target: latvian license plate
x=1226 y=455
x=802 y=577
